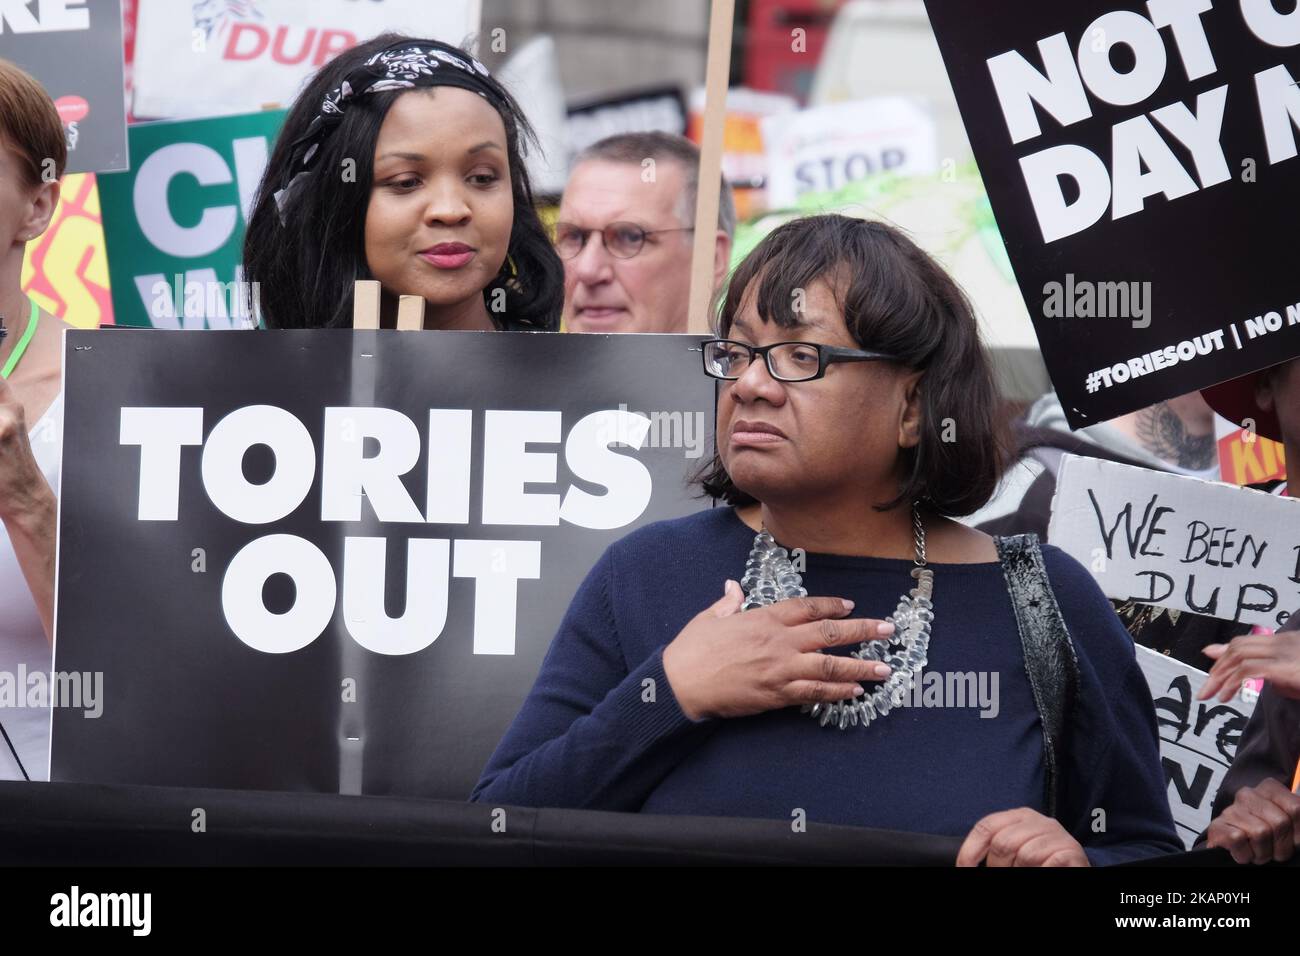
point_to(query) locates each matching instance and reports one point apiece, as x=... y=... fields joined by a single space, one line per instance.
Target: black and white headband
x=404 y=65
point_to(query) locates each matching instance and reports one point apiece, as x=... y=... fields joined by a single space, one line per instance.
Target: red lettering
x=280 y=56
x=240 y=29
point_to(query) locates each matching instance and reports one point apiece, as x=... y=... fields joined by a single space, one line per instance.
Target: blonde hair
x=29 y=124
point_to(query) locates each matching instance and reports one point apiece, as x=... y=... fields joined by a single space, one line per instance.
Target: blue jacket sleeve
x=1114 y=792
x=592 y=733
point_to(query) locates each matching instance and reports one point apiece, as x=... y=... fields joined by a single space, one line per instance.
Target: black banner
x=241 y=513
x=1141 y=159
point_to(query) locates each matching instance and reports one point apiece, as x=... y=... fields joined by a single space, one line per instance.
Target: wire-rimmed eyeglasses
x=623 y=240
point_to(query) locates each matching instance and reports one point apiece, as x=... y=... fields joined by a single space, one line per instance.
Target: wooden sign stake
x=365 y=304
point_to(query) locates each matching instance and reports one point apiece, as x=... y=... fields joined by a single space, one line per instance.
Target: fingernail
x=885 y=627
x=859 y=691
x=848 y=605
x=882 y=670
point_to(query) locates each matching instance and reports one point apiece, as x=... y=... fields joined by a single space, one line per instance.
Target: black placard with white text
x=333 y=560
x=74 y=49
x=1141 y=159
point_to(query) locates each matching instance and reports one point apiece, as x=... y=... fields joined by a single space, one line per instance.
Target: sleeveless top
x=23 y=647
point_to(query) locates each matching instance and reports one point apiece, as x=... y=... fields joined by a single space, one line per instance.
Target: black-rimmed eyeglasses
x=623 y=240
x=786 y=361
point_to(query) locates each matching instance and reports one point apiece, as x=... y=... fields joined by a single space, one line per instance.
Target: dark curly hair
x=305 y=267
x=896 y=299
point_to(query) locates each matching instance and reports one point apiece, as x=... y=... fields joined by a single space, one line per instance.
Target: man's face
x=649 y=292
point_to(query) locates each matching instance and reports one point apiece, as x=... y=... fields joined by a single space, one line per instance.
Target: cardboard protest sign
x=74 y=48
x=1198 y=738
x=824 y=148
x=334 y=560
x=1201 y=546
x=1115 y=137
x=174 y=224
x=214 y=57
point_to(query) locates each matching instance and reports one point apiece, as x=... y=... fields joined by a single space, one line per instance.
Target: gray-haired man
x=625 y=230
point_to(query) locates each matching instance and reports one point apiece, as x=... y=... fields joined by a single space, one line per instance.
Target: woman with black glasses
x=871 y=661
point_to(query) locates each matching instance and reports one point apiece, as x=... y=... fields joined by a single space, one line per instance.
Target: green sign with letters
x=174 y=222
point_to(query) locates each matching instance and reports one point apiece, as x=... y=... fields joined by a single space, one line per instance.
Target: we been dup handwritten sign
x=1201 y=546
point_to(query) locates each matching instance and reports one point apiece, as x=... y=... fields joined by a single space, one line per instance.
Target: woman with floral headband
x=402 y=161
x=1001 y=703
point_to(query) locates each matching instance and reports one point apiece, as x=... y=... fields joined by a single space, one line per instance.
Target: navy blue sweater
x=601 y=728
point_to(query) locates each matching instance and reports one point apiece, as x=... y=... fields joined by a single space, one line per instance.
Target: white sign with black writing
x=1201 y=546
x=1198 y=738
x=824 y=149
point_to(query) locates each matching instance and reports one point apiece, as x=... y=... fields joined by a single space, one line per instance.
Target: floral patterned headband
x=403 y=65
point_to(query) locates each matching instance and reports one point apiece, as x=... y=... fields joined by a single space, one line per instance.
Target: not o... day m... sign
x=1141 y=160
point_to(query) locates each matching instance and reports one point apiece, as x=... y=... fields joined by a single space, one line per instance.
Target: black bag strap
x=1050 y=661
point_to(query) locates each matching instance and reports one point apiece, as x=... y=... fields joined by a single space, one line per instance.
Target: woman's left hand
x=1020 y=837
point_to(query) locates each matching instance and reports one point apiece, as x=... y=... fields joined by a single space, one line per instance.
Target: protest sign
x=947 y=214
x=1245 y=456
x=1198 y=738
x=65 y=269
x=660 y=109
x=825 y=148
x=744 y=160
x=213 y=57
x=334 y=560
x=74 y=48
x=1201 y=546
x=1115 y=138
x=174 y=224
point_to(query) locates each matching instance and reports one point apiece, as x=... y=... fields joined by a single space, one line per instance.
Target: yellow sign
x=65 y=270
x=1248 y=459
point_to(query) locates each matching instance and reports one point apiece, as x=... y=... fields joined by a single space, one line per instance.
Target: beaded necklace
x=771 y=577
